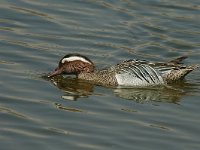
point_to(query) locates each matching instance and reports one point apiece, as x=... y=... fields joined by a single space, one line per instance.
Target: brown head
x=73 y=64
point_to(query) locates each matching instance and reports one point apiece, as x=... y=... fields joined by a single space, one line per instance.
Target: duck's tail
x=179 y=74
x=188 y=69
x=180 y=71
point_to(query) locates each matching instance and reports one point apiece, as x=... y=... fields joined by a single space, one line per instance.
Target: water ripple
x=64 y=112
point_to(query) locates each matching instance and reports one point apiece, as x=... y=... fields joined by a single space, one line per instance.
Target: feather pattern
x=135 y=72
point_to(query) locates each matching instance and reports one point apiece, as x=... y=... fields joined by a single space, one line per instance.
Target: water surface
x=66 y=113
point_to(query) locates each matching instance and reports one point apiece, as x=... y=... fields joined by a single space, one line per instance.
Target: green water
x=65 y=113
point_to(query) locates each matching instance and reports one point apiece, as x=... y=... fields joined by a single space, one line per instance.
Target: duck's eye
x=56 y=69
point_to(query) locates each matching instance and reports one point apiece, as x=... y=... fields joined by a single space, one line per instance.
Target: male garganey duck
x=127 y=73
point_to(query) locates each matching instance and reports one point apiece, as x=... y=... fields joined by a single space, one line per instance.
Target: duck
x=132 y=72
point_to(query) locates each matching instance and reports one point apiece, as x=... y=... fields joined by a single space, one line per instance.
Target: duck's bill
x=54 y=73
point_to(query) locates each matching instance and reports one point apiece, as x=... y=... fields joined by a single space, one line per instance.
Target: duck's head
x=73 y=64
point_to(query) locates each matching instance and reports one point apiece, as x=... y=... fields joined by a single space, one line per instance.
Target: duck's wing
x=142 y=72
x=170 y=71
x=137 y=72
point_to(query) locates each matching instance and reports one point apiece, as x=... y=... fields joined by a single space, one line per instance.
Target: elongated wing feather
x=135 y=72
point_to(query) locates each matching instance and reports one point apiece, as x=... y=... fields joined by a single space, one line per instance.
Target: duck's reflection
x=142 y=95
x=75 y=89
x=72 y=87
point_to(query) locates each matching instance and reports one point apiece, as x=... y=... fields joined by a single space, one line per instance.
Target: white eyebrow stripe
x=73 y=58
